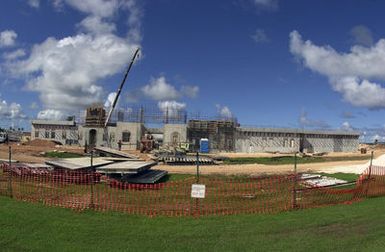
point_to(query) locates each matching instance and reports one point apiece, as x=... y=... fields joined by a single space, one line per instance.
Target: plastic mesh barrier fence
x=82 y=190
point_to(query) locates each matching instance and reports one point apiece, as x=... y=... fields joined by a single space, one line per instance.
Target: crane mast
x=120 y=88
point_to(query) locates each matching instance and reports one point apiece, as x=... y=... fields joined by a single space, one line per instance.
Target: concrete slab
x=127 y=167
x=146 y=177
x=38 y=166
x=77 y=163
x=118 y=159
x=324 y=182
x=115 y=153
x=7 y=161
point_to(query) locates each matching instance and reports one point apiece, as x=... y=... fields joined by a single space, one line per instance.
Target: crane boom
x=120 y=88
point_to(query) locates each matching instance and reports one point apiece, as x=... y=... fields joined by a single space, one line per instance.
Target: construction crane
x=117 y=97
x=120 y=88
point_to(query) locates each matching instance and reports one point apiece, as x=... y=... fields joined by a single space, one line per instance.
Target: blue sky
x=310 y=64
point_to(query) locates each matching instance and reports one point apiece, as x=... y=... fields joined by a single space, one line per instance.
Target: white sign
x=198 y=191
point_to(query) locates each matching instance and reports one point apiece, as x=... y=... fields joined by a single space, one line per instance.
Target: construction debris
x=186 y=160
x=317 y=180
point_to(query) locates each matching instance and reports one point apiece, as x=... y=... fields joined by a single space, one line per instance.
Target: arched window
x=126 y=136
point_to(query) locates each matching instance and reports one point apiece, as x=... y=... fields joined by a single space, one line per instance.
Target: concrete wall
x=251 y=142
x=330 y=143
x=62 y=133
x=135 y=130
x=266 y=140
x=177 y=131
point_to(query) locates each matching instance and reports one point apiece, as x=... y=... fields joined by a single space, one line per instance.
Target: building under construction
x=175 y=127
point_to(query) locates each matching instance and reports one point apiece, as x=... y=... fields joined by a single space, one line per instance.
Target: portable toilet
x=204 y=145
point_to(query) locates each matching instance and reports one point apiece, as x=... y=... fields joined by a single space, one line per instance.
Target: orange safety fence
x=224 y=195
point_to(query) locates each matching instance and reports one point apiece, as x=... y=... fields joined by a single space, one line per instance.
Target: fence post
x=10 y=172
x=92 y=180
x=197 y=175
x=197 y=180
x=370 y=173
x=294 y=206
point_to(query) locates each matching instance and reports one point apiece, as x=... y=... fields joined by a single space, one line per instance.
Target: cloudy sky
x=307 y=64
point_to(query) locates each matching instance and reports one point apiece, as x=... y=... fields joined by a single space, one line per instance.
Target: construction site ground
x=32 y=152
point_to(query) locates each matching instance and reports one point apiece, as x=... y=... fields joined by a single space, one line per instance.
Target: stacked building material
x=186 y=160
x=130 y=170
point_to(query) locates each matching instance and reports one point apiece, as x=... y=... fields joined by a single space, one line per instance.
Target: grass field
x=289 y=160
x=33 y=227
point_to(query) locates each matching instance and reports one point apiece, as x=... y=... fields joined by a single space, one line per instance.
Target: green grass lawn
x=55 y=154
x=33 y=227
x=289 y=160
x=349 y=177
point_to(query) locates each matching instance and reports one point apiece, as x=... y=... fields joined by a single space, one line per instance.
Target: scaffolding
x=221 y=133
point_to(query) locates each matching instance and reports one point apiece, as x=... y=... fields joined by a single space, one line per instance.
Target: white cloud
x=11 y=111
x=266 y=4
x=260 y=36
x=224 y=111
x=7 y=38
x=171 y=108
x=362 y=35
x=50 y=114
x=110 y=100
x=346 y=126
x=350 y=74
x=34 y=3
x=101 y=8
x=159 y=89
x=378 y=138
x=95 y=24
x=68 y=72
x=14 y=55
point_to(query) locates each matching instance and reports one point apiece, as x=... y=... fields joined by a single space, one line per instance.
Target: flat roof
x=300 y=131
x=53 y=122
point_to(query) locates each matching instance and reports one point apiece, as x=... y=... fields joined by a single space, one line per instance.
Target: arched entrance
x=175 y=138
x=92 y=138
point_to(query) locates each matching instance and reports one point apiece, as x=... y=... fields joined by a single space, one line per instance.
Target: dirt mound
x=42 y=143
